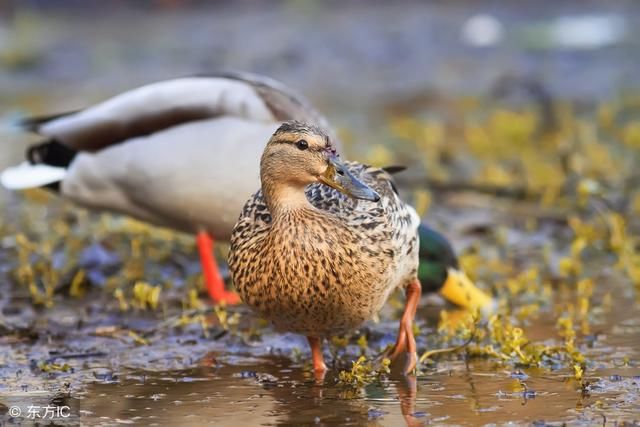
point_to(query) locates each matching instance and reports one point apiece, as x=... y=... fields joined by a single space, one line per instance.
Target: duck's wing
x=283 y=103
x=358 y=213
x=154 y=110
x=390 y=218
x=158 y=106
x=188 y=177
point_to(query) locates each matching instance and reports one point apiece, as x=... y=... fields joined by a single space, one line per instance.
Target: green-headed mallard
x=320 y=247
x=439 y=272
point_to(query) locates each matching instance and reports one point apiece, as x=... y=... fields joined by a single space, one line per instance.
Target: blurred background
x=354 y=60
x=361 y=63
x=519 y=123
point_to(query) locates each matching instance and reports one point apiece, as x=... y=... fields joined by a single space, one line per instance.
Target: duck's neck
x=283 y=198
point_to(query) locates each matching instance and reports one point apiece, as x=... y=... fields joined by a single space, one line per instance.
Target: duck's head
x=439 y=271
x=299 y=154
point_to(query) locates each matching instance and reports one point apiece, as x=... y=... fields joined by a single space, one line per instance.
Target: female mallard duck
x=315 y=262
x=181 y=153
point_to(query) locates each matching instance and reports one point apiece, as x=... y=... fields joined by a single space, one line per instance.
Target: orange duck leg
x=212 y=276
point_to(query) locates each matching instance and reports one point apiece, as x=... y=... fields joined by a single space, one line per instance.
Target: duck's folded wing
x=152 y=108
x=198 y=174
x=161 y=105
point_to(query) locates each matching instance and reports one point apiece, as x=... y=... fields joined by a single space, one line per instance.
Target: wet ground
x=538 y=193
x=186 y=363
x=181 y=378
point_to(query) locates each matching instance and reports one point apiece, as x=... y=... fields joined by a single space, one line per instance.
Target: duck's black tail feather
x=51 y=153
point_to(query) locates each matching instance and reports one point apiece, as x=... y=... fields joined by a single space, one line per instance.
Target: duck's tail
x=46 y=166
x=26 y=175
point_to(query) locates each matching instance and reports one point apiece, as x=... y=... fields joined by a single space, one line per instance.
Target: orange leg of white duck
x=406 y=342
x=212 y=276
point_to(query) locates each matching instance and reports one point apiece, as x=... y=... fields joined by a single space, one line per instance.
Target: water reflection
x=280 y=392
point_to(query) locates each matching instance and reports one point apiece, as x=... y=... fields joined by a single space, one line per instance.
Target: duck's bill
x=338 y=176
x=460 y=290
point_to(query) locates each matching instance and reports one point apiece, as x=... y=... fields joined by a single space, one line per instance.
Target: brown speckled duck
x=320 y=247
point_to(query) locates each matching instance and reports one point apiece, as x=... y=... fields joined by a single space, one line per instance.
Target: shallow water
x=227 y=382
x=455 y=394
x=477 y=392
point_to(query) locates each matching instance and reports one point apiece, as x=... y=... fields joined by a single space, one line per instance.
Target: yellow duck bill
x=460 y=290
x=338 y=176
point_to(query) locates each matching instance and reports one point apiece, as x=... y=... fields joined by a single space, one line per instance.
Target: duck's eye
x=302 y=144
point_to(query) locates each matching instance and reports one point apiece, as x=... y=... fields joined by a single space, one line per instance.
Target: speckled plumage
x=324 y=267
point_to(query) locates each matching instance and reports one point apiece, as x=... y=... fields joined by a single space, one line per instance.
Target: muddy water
x=231 y=383
x=478 y=392
x=457 y=394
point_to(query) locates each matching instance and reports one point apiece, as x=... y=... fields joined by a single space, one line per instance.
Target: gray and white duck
x=182 y=153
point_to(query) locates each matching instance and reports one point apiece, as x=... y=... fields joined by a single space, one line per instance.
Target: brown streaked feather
x=325 y=270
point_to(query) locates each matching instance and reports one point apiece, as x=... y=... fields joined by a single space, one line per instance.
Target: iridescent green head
x=436 y=256
x=438 y=271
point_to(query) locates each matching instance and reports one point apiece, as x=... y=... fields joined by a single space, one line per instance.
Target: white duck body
x=183 y=178
x=181 y=153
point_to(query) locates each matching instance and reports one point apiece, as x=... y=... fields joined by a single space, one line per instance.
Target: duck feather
x=323 y=271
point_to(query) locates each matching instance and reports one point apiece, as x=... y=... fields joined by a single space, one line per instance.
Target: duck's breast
x=307 y=280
